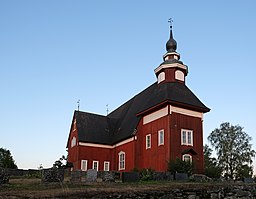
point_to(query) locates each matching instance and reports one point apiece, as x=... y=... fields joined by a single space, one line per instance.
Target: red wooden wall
x=136 y=154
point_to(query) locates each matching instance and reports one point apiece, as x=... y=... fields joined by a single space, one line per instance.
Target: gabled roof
x=122 y=122
x=94 y=128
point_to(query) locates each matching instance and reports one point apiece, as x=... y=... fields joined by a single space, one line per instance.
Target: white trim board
x=107 y=146
x=185 y=112
x=155 y=115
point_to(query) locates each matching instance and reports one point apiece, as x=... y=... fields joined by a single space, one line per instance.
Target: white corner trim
x=174 y=65
x=155 y=115
x=185 y=112
x=107 y=146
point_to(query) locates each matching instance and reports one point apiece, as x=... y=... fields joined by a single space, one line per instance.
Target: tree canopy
x=233 y=149
x=6 y=159
x=211 y=167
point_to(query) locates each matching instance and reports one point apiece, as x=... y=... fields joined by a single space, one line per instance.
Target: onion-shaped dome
x=171 y=44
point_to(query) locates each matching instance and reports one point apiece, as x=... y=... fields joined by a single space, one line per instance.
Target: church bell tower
x=172 y=69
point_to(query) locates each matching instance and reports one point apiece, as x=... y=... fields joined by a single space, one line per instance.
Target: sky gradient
x=53 y=53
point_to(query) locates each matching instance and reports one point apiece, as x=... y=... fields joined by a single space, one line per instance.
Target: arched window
x=179 y=75
x=121 y=161
x=161 y=77
x=187 y=158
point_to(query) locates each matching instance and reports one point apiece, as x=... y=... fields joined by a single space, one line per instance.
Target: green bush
x=180 y=166
x=146 y=174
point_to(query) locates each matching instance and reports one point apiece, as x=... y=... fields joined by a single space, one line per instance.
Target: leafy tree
x=211 y=168
x=60 y=163
x=180 y=166
x=233 y=148
x=6 y=159
x=244 y=171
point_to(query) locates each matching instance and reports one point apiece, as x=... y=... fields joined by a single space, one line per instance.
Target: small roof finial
x=107 y=109
x=78 y=104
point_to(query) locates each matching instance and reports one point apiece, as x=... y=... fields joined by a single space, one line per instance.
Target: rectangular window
x=106 y=165
x=189 y=135
x=160 y=137
x=148 y=141
x=84 y=165
x=95 y=165
x=121 y=161
x=186 y=137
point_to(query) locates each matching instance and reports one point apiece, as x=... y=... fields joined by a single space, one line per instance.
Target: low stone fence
x=93 y=176
x=4 y=176
x=22 y=172
x=52 y=175
x=203 y=192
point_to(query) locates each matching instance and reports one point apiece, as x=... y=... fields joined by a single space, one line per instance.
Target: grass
x=33 y=188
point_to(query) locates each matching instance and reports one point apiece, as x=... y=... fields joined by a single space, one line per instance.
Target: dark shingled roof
x=122 y=122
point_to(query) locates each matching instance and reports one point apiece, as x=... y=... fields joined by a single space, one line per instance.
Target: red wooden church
x=161 y=123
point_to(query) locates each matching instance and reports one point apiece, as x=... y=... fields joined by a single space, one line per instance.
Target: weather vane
x=78 y=104
x=170 y=21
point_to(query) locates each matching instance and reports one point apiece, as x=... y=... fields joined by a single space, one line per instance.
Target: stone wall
x=52 y=175
x=4 y=176
x=23 y=172
x=206 y=192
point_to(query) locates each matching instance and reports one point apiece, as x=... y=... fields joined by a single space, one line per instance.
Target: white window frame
x=161 y=137
x=97 y=163
x=106 y=166
x=184 y=139
x=84 y=165
x=121 y=162
x=148 y=141
x=187 y=155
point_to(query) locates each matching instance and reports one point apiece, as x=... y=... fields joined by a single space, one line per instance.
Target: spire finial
x=78 y=104
x=107 y=109
x=170 y=22
x=171 y=44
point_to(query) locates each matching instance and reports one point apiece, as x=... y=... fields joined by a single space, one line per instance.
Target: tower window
x=179 y=75
x=186 y=137
x=160 y=77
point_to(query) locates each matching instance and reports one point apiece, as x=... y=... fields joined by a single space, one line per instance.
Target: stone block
x=248 y=180
x=181 y=176
x=77 y=176
x=108 y=176
x=91 y=175
x=4 y=176
x=52 y=175
x=158 y=176
x=169 y=176
x=130 y=177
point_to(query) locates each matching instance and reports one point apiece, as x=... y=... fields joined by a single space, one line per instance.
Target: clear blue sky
x=53 y=53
